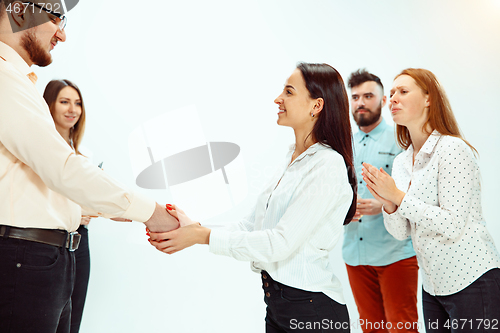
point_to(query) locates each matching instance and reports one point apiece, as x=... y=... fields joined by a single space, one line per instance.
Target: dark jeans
x=82 y=258
x=36 y=281
x=290 y=310
x=473 y=309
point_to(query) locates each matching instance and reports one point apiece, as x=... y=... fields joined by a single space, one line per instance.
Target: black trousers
x=290 y=310
x=82 y=258
x=473 y=309
x=36 y=282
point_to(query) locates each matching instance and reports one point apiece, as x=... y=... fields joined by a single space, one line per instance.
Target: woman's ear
x=318 y=106
x=427 y=101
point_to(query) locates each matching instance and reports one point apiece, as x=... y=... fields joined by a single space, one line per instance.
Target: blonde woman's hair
x=50 y=95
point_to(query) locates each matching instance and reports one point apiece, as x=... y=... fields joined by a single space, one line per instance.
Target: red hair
x=440 y=116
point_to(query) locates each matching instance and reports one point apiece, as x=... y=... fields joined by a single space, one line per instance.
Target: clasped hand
x=366 y=207
x=189 y=233
x=382 y=186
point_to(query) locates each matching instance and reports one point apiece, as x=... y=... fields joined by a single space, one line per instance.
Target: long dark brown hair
x=440 y=116
x=50 y=95
x=333 y=127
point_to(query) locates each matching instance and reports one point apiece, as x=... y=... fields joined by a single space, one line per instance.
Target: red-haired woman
x=435 y=197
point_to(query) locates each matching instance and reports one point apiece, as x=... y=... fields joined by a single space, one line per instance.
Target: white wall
x=135 y=60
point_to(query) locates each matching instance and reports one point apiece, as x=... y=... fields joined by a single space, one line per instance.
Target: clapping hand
x=382 y=186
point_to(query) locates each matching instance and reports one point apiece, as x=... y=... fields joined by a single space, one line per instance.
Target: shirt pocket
x=384 y=159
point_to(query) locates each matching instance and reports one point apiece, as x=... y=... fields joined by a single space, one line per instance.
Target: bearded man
x=43 y=182
x=383 y=271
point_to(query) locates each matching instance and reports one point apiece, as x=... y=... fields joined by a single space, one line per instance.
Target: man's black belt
x=59 y=238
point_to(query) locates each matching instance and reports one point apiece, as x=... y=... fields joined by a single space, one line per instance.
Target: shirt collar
x=12 y=57
x=408 y=159
x=374 y=133
x=427 y=148
x=309 y=151
x=431 y=142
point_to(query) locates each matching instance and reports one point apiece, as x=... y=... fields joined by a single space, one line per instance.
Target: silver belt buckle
x=73 y=241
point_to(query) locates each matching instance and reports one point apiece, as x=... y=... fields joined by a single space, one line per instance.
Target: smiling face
x=409 y=105
x=42 y=37
x=295 y=103
x=367 y=101
x=67 y=109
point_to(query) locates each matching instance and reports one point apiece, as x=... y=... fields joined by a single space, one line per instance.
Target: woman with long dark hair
x=434 y=196
x=298 y=218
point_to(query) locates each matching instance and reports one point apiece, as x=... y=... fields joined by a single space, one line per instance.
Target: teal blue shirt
x=367 y=242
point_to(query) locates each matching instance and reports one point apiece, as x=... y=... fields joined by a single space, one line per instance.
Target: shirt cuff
x=411 y=208
x=390 y=217
x=219 y=242
x=141 y=208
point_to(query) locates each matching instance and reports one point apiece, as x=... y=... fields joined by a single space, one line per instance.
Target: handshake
x=171 y=230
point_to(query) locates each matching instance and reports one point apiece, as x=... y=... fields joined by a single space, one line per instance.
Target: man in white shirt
x=43 y=182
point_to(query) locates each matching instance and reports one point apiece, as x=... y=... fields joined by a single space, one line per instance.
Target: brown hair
x=440 y=116
x=50 y=95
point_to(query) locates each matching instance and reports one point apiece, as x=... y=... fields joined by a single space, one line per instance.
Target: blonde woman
x=68 y=111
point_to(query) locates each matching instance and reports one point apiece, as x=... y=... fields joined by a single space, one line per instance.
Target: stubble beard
x=369 y=118
x=37 y=54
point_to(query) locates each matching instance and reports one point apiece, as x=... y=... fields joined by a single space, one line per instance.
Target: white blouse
x=442 y=212
x=296 y=222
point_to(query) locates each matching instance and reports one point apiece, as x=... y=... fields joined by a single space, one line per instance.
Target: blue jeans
x=473 y=309
x=290 y=310
x=36 y=282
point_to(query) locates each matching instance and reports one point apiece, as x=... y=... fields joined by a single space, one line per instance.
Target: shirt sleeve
x=28 y=132
x=457 y=174
x=323 y=196
x=245 y=224
x=397 y=225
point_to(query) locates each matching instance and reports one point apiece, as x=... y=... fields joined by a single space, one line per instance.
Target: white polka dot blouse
x=442 y=212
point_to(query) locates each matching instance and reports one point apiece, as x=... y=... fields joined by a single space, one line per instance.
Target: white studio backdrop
x=136 y=61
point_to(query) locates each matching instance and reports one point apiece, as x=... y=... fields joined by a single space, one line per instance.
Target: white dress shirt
x=41 y=178
x=297 y=221
x=442 y=212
